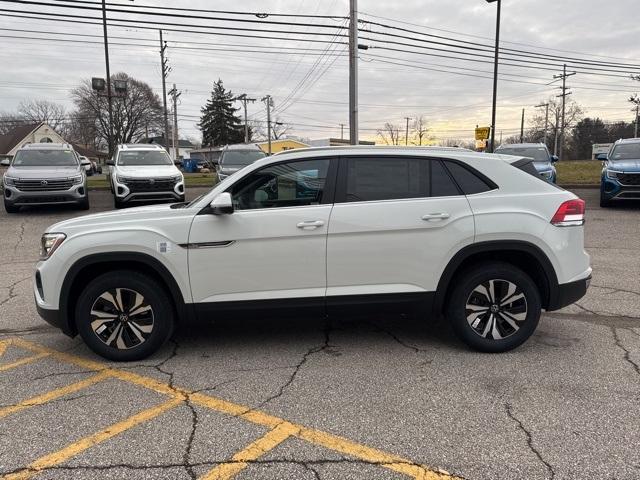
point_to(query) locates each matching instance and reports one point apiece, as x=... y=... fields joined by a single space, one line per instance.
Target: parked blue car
x=542 y=158
x=620 y=172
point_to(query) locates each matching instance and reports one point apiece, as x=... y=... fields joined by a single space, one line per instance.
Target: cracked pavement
x=564 y=406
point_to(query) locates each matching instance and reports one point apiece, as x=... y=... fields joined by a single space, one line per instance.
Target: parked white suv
x=479 y=237
x=144 y=173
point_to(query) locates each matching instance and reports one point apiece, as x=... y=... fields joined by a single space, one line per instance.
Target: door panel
x=387 y=247
x=274 y=244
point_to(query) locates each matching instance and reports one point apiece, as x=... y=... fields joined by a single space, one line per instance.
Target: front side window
x=143 y=157
x=386 y=178
x=45 y=158
x=291 y=184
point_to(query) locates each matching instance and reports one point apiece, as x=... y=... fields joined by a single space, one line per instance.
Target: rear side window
x=441 y=182
x=467 y=180
x=386 y=178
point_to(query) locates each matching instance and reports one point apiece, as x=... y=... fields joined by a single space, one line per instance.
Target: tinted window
x=291 y=184
x=44 y=158
x=441 y=183
x=468 y=181
x=386 y=178
x=625 y=151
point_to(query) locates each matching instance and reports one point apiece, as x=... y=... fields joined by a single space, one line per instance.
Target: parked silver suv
x=45 y=173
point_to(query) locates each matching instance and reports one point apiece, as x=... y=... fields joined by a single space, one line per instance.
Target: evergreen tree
x=219 y=123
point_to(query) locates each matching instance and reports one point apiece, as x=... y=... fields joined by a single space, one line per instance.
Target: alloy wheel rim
x=122 y=318
x=496 y=309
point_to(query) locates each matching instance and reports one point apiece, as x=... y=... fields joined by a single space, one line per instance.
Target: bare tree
x=135 y=113
x=9 y=121
x=390 y=134
x=36 y=111
x=419 y=130
x=279 y=129
x=573 y=114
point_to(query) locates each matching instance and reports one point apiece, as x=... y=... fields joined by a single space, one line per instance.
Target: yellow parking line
x=317 y=437
x=83 y=444
x=255 y=450
x=53 y=394
x=3 y=346
x=23 y=361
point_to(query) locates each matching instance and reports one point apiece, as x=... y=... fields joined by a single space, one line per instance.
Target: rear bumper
x=568 y=293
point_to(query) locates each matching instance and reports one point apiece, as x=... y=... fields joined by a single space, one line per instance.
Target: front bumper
x=612 y=190
x=568 y=293
x=47 y=310
x=13 y=196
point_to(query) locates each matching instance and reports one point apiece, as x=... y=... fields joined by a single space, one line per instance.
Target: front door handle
x=432 y=217
x=311 y=224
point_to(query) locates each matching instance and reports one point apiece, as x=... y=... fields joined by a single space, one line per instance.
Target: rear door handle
x=432 y=217
x=311 y=224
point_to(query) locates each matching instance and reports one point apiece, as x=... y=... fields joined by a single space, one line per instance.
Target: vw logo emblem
x=152 y=181
x=44 y=182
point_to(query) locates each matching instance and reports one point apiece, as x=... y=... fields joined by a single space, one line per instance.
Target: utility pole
x=244 y=99
x=353 y=72
x=342 y=131
x=522 y=127
x=495 y=76
x=165 y=72
x=268 y=101
x=546 y=119
x=406 y=132
x=106 y=61
x=637 y=114
x=564 y=94
x=175 y=94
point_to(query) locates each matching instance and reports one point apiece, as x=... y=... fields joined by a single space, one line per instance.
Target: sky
x=309 y=81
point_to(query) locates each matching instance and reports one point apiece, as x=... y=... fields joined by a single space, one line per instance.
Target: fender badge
x=164 y=247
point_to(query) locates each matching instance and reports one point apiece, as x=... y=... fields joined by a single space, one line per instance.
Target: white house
x=24 y=134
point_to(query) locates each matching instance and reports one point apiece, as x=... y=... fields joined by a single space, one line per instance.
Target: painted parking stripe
x=255 y=450
x=53 y=394
x=316 y=437
x=23 y=361
x=3 y=346
x=83 y=444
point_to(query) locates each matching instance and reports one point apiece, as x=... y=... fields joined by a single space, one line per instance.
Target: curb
x=571 y=186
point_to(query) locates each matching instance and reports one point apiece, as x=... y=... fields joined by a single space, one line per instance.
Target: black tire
x=465 y=301
x=84 y=203
x=159 y=322
x=604 y=203
x=11 y=208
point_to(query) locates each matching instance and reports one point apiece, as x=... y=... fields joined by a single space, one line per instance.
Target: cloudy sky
x=309 y=81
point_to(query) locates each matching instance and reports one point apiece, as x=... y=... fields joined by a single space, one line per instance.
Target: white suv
x=144 y=173
x=481 y=238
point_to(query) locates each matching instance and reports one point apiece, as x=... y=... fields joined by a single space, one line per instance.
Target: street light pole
x=353 y=72
x=495 y=75
x=546 y=119
x=106 y=59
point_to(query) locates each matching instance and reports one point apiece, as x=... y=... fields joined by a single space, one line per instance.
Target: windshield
x=241 y=157
x=539 y=154
x=143 y=157
x=45 y=158
x=625 y=151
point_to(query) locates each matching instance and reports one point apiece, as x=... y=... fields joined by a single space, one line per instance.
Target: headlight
x=77 y=180
x=9 y=180
x=177 y=178
x=50 y=243
x=548 y=175
x=613 y=174
x=121 y=179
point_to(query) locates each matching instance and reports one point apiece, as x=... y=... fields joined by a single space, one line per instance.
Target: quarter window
x=468 y=181
x=386 y=178
x=441 y=183
x=291 y=184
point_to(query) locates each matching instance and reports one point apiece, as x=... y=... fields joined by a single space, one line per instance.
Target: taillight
x=569 y=214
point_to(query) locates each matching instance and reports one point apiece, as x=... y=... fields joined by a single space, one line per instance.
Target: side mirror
x=554 y=158
x=111 y=162
x=602 y=156
x=222 y=204
x=5 y=162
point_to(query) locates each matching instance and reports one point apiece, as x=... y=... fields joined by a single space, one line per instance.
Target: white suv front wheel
x=124 y=315
x=494 y=307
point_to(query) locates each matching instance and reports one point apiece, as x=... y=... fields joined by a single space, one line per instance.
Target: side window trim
x=329 y=190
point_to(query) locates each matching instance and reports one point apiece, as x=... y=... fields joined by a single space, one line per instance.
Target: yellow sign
x=482 y=133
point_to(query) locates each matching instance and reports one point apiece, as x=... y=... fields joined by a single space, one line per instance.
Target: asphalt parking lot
x=364 y=398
